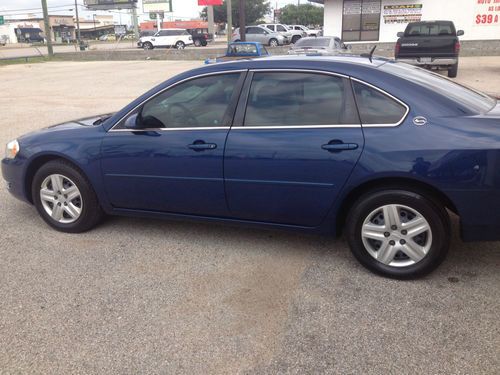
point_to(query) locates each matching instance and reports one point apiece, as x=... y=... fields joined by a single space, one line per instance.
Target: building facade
x=380 y=20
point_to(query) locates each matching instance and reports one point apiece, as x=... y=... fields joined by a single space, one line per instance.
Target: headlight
x=12 y=149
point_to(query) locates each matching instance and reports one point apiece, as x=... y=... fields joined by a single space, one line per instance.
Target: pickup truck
x=430 y=44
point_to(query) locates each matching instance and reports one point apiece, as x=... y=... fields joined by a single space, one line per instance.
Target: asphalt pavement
x=137 y=296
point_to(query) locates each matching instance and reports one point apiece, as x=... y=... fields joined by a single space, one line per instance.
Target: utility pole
x=78 y=35
x=229 y=21
x=242 y=21
x=46 y=24
x=134 y=21
x=210 y=19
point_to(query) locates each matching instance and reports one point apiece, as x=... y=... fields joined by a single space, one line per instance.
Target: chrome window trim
x=172 y=129
x=386 y=94
x=291 y=70
x=297 y=126
x=112 y=129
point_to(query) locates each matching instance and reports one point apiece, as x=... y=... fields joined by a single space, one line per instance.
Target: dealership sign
x=487 y=13
x=402 y=13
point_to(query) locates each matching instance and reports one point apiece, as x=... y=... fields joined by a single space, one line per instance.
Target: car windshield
x=312 y=42
x=248 y=49
x=462 y=95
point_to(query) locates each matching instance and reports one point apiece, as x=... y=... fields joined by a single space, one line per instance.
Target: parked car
x=29 y=35
x=178 y=38
x=201 y=37
x=430 y=44
x=369 y=147
x=309 y=32
x=241 y=50
x=291 y=36
x=260 y=34
x=324 y=45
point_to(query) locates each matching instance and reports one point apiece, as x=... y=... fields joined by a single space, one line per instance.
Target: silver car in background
x=259 y=34
x=321 y=45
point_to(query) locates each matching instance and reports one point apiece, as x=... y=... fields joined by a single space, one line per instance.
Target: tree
x=304 y=14
x=254 y=11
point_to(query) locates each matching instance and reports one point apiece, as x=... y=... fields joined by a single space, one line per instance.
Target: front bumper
x=429 y=61
x=13 y=172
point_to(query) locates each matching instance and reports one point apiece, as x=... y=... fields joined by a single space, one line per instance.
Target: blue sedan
x=378 y=150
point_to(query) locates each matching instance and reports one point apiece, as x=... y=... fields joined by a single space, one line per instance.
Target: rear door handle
x=337 y=147
x=201 y=146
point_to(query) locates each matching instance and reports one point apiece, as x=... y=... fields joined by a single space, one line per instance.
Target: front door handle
x=337 y=146
x=201 y=146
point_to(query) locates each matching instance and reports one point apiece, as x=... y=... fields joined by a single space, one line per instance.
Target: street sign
x=2 y=20
x=110 y=4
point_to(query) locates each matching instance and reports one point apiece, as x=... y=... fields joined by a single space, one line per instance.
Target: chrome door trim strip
x=390 y=96
x=165 y=89
x=297 y=126
x=292 y=70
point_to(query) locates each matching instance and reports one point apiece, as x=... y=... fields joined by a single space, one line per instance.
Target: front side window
x=293 y=99
x=201 y=102
x=255 y=30
x=281 y=28
x=377 y=108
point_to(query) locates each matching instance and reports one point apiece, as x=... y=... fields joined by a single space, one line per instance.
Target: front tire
x=64 y=198
x=147 y=45
x=398 y=233
x=453 y=71
x=295 y=38
x=197 y=43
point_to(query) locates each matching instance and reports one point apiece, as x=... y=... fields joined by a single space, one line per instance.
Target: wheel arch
x=417 y=186
x=36 y=163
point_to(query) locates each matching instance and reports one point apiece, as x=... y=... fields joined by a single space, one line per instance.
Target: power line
x=40 y=9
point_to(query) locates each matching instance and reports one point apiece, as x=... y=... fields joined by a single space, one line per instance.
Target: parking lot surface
x=144 y=296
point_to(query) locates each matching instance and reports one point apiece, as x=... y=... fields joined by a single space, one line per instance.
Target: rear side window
x=377 y=108
x=293 y=99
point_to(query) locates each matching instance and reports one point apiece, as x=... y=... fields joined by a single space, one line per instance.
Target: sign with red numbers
x=487 y=13
x=209 y=2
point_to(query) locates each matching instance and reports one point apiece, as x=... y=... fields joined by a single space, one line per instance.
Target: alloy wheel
x=61 y=198
x=396 y=235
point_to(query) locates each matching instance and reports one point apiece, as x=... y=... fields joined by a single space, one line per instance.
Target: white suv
x=291 y=36
x=178 y=38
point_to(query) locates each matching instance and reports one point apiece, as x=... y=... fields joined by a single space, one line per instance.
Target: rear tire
x=180 y=45
x=295 y=38
x=453 y=71
x=69 y=202
x=398 y=233
x=197 y=43
x=273 y=42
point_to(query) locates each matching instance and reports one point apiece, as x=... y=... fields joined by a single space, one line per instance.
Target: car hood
x=86 y=121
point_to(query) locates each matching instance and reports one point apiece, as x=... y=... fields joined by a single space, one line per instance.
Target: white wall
x=7 y=32
x=462 y=12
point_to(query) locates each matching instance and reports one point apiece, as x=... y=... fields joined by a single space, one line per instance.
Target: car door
x=162 y=38
x=167 y=154
x=295 y=140
x=254 y=34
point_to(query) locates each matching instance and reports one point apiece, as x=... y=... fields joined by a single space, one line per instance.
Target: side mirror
x=460 y=33
x=131 y=122
x=401 y=34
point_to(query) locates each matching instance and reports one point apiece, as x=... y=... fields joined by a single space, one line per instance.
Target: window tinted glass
x=196 y=103
x=281 y=99
x=164 y=33
x=375 y=107
x=471 y=100
x=280 y=28
x=255 y=30
x=430 y=28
